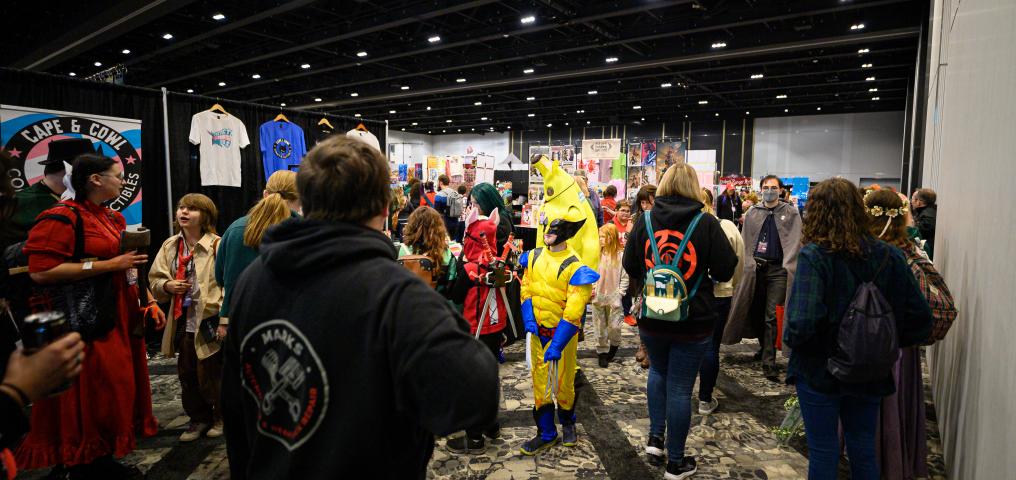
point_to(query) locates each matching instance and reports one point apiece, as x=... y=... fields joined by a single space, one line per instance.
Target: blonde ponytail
x=273 y=209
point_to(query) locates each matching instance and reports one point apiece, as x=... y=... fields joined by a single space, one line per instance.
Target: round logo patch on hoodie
x=281 y=370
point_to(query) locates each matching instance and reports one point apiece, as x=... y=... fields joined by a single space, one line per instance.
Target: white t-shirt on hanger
x=365 y=137
x=221 y=136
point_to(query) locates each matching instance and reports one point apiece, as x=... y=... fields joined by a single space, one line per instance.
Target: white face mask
x=770 y=196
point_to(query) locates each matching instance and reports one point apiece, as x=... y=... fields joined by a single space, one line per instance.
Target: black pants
x=493 y=342
x=771 y=286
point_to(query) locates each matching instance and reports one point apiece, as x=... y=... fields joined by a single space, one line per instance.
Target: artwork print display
x=535 y=152
x=649 y=153
x=669 y=153
x=635 y=154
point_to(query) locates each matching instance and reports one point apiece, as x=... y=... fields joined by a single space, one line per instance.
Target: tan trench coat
x=788 y=223
x=211 y=293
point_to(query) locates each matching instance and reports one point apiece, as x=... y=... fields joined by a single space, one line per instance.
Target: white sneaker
x=706 y=408
x=215 y=431
x=193 y=432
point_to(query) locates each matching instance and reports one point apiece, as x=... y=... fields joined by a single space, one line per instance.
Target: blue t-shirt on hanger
x=282 y=146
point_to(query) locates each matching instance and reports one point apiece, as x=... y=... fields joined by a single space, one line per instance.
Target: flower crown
x=878 y=211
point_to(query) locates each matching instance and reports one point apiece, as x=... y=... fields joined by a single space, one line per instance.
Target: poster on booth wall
x=403 y=173
x=635 y=154
x=26 y=133
x=649 y=154
x=568 y=158
x=535 y=152
x=669 y=153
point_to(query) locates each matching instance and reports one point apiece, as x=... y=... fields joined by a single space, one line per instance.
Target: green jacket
x=31 y=202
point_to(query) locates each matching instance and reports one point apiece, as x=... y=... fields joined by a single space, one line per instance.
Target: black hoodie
x=338 y=360
x=711 y=253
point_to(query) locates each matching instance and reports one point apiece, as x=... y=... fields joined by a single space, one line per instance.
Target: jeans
x=673 y=367
x=823 y=414
x=711 y=363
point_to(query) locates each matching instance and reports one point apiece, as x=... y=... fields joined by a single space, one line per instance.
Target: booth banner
x=737 y=181
x=601 y=149
x=26 y=133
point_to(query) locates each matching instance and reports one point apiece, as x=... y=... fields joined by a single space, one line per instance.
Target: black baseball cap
x=65 y=150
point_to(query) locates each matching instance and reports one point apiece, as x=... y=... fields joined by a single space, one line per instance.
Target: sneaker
x=465 y=444
x=612 y=353
x=680 y=470
x=215 y=431
x=493 y=432
x=193 y=432
x=706 y=408
x=655 y=450
x=536 y=445
x=604 y=361
x=569 y=437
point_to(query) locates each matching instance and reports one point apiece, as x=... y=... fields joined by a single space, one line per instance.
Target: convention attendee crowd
x=342 y=324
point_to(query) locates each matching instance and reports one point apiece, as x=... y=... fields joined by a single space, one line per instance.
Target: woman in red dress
x=111 y=402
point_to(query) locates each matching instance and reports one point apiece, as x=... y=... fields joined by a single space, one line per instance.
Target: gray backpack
x=867 y=345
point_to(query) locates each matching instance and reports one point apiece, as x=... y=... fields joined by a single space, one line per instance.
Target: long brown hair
x=203 y=204
x=425 y=234
x=273 y=209
x=835 y=218
x=881 y=202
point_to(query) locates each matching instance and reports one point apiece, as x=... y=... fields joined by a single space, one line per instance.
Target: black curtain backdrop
x=45 y=91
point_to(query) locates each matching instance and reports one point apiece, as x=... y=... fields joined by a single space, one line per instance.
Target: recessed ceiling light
x=72 y=74
x=97 y=64
x=666 y=85
x=857 y=26
x=483 y=118
x=865 y=65
x=747 y=113
x=686 y=115
x=869 y=79
x=592 y=92
x=460 y=80
x=354 y=94
x=472 y=129
x=530 y=99
x=781 y=96
x=460 y=129
x=637 y=107
x=255 y=76
x=403 y=129
x=283 y=104
x=528 y=71
x=531 y=115
x=222 y=84
x=611 y=59
x=703 y=102
x=588 y=122
x=392 y=112
x=874 y=98
x=361 y=54
x=757 y=76
x=428 y=109
x=415 y=123
x=190 y=90
x=405 y=87
x=477 y=104
x=126 y=51
x=430 y=131
x=550 y=125
x=444 y=131
x=168 y=36
x=818 y=108
x=719 y=45
x=786 y=110
x=509 y=127
x=448 y=121
x=218 y=16
x=317 y=99
x=872 y=89
x=434 y=39
x=566 y=124
x=357 y=115
x=305 y=66
x=863 y=50
x=643 y=119
x=527 y=20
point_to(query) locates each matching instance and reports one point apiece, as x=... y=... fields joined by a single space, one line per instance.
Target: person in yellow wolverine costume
x=560 y=194
x=556 y=287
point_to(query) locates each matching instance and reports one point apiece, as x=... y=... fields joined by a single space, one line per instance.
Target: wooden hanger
x=361 y=127
x=219 y=108
x=324 y=121
x=281 y=117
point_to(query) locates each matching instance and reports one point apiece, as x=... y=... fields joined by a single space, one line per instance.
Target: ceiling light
x=592 y=92
x=550 y=125
x=72 y=74
x=719 y=45
x=357 y=115
x=283 y=104
x=872 y=89
x=869 y=79
x=305 y=66
x=703 y=102
x=818 y=108
x=637 y=107
x=189 y=90
x=168 y=36
x=460 y=129
x=530 y=99
x=361 y=54
x=528 y=20
x=444 y=131
x=666 y=85
x=354 y=94
x=317 y=99
x=717 y=114
x=218 y=16
x=255 y=76
x=97 y=64
x=483 y=119
x=786 y=110
x=686 y=115
x=747 y=113
x=857 y=26
x=391 y=112
x=428 y=109
x=865 y=65
x=430 y=131
x=611 y=59
x=405 y=87
x=477 y=104
x=781 y=96
x=222 y=84
x=863 y=50
x=434 y=39
x=448 y=121
x=757 y=76
x=874 y=98
x=528 y=71
x=472 y=129
x=126 y=51
x=415 y=123
x=403 y=129
x=531 y=115
x=460 y=80
x=566 y=124
x=509 y=127
x=588 y=122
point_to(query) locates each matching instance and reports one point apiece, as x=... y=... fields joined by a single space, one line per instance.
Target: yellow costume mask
x=560 y=194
